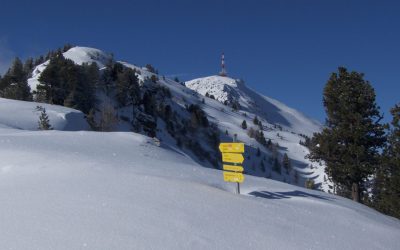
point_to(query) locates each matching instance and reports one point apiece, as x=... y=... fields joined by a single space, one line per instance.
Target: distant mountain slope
x=282 y=126
x=226 y=89
x=25 y=116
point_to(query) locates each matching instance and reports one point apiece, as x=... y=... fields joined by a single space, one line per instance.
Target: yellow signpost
x=231 y=152
x=232 y=157
x=233 y=177
x=233 y=168
x=233 y=147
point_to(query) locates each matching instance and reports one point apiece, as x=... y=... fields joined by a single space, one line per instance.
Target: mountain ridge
x=282 y=126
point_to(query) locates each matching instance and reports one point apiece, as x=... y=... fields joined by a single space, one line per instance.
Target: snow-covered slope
x=281 y=124
x=25 y=115
x=79 y=55
x=92 y=190
x=274 y=112
x=284 y=126
x=121 y=190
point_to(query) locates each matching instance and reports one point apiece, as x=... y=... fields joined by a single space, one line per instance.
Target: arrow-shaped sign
x=234 y=147
x=233 y=177
x=233 y=168
x=233 y=158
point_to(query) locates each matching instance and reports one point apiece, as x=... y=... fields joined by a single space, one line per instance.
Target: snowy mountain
x=225 y=89
x=120 y=190
x=282 y=126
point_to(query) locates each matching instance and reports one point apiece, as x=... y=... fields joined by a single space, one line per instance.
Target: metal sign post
x=238 y=183
x=231 y=152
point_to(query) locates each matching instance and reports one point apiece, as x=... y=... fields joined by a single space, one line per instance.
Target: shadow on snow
x=286 y=195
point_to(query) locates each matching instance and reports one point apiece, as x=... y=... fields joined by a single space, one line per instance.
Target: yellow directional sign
x=233 y=158
x=233 y=168
x=233 y=147
x=233 y=177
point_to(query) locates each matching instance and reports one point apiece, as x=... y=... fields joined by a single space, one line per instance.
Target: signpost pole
x=238 y=184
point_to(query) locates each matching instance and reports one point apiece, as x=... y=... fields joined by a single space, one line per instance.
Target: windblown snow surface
x=25 y=116
x=93 y=190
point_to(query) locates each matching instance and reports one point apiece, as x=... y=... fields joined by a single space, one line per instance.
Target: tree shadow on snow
x=286 y=195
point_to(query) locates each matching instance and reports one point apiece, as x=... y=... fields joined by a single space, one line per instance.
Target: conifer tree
x=262 y=166
x=91 y=120
x=277 y=166
x=286 y=163
x=108 y=118
x=44 y=121
x=244 y=124
x=350 y=141
x=127 y=91
x=255 y=120
x=387 y=182
x=14 y=84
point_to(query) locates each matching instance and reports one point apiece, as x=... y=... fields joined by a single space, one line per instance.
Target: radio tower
x=223 y=71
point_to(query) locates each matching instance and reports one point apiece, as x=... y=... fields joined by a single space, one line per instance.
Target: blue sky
x=283 y=49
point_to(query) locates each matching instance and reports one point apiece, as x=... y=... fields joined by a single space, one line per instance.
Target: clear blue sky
x=283 y=49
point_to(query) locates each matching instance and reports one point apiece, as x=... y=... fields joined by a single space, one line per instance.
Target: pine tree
x=14 y=84
x=28 y=67
x=286 y=163
x=108 y=118
x=91 y=120
x=255 y=120
x=353 y=134
x=262 y=166
x=276 y=166
x=387 y=182
x=244 y=124
x=296 y=177
x=127 y=87
x=258 y=154
x=151 y=69
x=44 y=121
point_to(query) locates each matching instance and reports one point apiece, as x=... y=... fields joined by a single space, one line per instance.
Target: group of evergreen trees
x=14 y=83
x=355 y=145
x=65 y=83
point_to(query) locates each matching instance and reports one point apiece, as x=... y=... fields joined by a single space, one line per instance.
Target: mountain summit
x=228 y=90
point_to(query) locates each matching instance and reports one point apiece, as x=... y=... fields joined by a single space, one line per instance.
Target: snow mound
x=88 y=55
x=92 y=190
x=25 y=115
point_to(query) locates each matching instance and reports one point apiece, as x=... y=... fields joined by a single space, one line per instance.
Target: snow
x=271 y=113
x=92 y=190
x=25 y=116
x=88 y=55
x=74 y=189
x=283 y=125
x=228 y=89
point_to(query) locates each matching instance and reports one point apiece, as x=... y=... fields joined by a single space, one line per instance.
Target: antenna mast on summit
x=223 y=71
